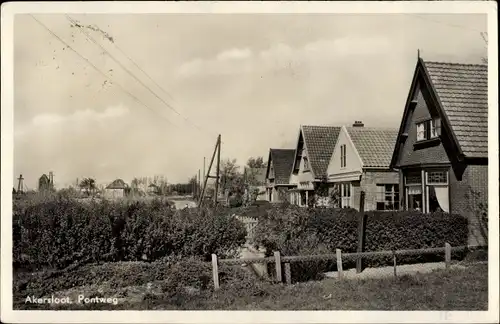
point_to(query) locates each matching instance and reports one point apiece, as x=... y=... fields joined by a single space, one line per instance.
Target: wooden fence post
x=215 y=271
x=447 y=255
x=288 y=273
x=339 y=263
x=361 y=234
x=277 y=258
x=394 y=261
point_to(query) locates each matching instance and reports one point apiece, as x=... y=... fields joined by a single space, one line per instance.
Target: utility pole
x=216 y=151
x=216 y=195
x=204 y=166
x=20 y=185
x=198 y=189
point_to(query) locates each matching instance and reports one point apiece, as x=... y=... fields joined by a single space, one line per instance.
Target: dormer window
x=306 y=164
x=343 y=156
x=428 y=129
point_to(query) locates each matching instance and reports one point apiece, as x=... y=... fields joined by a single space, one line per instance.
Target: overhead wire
x=169 y=106
x=96 y=68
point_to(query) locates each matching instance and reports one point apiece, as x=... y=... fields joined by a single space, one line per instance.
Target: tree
x=484 y=35
x=256 y=163
x=89 y=185
x=229 y=173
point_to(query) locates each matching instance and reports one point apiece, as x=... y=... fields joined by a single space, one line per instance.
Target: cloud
x=234 y=54
x=242 y=60
x=80 y=115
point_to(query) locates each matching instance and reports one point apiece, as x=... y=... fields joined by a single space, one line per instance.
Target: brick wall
x=475 y=177
x=369 y=181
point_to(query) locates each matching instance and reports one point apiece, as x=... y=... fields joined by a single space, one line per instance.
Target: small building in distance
x=46 y=183
x=116 y=189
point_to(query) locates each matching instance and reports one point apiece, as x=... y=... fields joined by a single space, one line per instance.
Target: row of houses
x=436 y=161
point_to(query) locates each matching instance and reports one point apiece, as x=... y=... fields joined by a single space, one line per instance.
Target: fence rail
x=338 y=256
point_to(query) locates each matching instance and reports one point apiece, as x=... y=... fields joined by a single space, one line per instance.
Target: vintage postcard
x=250 y=162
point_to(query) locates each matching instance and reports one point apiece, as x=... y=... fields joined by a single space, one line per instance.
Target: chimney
x=358 y=123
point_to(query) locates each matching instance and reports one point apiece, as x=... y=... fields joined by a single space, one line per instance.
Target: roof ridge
x=456 y=63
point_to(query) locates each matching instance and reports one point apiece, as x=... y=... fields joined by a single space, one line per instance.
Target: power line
x=95 y=68
x=129 y=72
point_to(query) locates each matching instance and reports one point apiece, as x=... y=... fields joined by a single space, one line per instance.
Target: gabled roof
x=374 y=145
x=282 y=161
x=319 y=142
x=117 y=184
x=460 y=92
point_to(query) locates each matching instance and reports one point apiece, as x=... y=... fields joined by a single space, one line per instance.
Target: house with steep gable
x=361 y=162
x=315 y=145
x=279 y=168
x=442 y=145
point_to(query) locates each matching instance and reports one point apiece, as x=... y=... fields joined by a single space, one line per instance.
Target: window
x=437 y=177
x=413 y=190
x=306 y=164
x=342 y=156
x=428 y=129
x=437 y=194
x=388 y=197
x=345 y=195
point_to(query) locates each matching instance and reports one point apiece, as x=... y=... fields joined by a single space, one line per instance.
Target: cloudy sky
x=252 y=78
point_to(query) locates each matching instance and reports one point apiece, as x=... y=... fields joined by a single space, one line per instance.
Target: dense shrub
x=58 y=232
x=298 y=231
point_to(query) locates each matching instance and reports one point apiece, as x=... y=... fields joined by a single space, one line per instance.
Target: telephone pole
x=216 y=195
x=216 y=152
x=20 y=184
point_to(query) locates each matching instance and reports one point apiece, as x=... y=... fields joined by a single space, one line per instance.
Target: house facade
x=314 y=149
x=442 y=145
x=279 y=167
x=361 y=162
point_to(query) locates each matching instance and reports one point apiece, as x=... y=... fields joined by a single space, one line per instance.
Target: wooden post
x=277 y=257
x=215 y=271
x=361 y=231
x=394 y=260
x=288 y=273
x=447 y=255
x=202 y=195
x=339 y=263
x=217 y=177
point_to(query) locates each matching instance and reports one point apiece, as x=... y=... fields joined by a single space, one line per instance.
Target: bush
x=297 y=231
x=58 y=232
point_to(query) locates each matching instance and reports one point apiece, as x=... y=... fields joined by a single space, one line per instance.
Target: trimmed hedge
x=298 y=231
x=56 y=233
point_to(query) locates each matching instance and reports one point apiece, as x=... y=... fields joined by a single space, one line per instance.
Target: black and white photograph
x=330 y=159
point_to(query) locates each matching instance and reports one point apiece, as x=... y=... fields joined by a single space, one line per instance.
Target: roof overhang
x=348 y=176
x=421 y=75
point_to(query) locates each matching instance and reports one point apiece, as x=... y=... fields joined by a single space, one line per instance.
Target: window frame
x=394 y=197
x=431 y=129
x=343 y=160
x=430 y=183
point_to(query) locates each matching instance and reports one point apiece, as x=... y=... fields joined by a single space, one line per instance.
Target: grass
x=461 y=288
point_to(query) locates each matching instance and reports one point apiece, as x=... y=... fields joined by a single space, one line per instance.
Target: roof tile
x=320 y=142
x=282 y=160
x=374 y=145
x=463 y=92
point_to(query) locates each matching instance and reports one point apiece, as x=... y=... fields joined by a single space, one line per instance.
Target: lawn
x=457 y=289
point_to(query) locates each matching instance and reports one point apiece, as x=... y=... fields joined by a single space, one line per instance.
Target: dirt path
x=384 y=272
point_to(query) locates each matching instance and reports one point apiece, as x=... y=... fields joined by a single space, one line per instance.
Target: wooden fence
x=250 y=224
x=339 y=256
